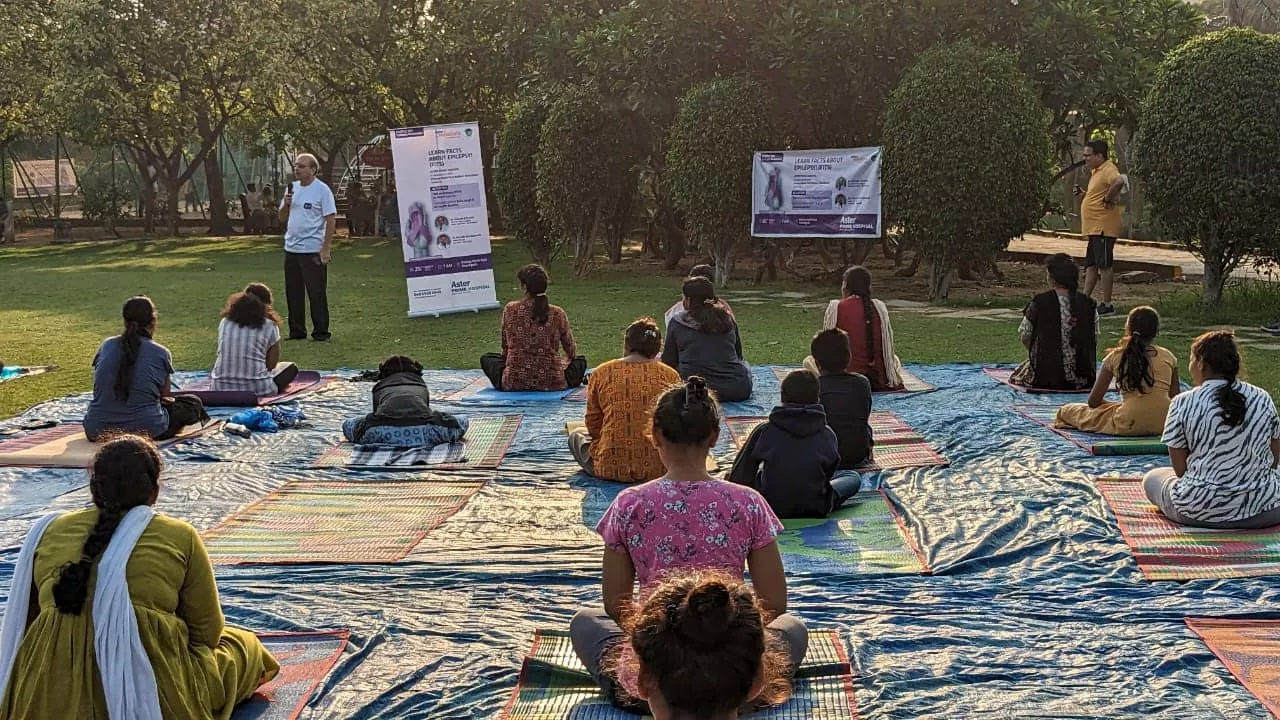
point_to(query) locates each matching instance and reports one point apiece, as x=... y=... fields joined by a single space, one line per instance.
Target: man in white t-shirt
x=310 y=213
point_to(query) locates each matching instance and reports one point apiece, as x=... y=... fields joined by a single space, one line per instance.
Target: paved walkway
x=1140 y=253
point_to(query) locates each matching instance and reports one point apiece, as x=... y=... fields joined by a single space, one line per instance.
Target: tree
x=515 y=178
x=1209 y=150
x=131 y=73
x=26 y=61
x=719 y=126
x=576 y=168
x=966 y=157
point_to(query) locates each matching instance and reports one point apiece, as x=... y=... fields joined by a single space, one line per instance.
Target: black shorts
x=1101 y=253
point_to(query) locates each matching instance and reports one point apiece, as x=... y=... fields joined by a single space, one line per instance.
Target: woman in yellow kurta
x=1145 y=373
x=615 y=443
x=202 y=667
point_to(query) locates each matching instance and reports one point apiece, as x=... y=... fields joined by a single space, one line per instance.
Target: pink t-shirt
x=667 y=525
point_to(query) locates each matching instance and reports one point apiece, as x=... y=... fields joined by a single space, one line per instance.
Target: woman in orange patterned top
x=616 y=444
x=533 y=332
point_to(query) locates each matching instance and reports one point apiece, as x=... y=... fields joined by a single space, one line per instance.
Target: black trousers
x=306 y=279
x=492 y=365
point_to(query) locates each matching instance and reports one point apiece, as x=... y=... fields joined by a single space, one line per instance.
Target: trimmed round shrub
x=515 y=178
x=1208 y=150
x=966 y=157
x=718 y=127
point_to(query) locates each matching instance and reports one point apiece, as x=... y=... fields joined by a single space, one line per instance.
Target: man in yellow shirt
x=1100 y=219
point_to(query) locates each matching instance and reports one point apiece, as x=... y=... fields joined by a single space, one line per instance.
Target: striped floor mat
x=1165 y=550
x=554 y=685
x=485 y=446
x=910 y=382
x=1092 y=443
x=336 y=522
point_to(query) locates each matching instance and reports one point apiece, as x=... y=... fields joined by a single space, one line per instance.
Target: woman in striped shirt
x=249 y=345
x=1224 y=443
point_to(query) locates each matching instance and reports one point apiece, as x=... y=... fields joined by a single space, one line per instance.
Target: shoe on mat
x=1106 y=309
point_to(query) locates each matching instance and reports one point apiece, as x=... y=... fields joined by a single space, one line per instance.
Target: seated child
x=1224 y=446
x=701 y=647
x=792 y=458
x=402 y=414
x=684 y=521
x=1147 y=376
x=615 y=443
x=845 y=396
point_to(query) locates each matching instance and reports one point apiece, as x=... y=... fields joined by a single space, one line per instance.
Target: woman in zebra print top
x=1224 y=443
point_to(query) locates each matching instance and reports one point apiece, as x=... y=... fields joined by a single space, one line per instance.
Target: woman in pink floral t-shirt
x=685 y=521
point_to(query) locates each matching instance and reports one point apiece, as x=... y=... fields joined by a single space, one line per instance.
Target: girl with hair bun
x=1224 y=445
x=1147 y=376
x=682 y=522
x=1059 y=329
x=703 y=650
x=138 y=587
x=615 y=443
x=533 y=333
x=131 y=380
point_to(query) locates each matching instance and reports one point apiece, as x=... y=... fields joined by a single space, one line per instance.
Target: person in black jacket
x=402 y=414
x=845 y=397
x=792 y=458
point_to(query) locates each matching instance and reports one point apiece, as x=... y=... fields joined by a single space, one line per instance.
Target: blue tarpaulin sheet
x=1035 y=607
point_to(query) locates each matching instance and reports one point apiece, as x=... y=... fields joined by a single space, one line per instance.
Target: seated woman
x=1224 y=444
x=697 y=271
x=1147 y=376
x=249 y=345
x=402 y=414
x=699 y=647
x=533 y=332
x=615 y=444
x=866 y=321
x=131 y=380
x=142 y=579
x=1059 y=329
x=703 y=340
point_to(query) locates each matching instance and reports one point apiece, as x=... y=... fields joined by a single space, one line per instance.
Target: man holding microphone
x=310 y=214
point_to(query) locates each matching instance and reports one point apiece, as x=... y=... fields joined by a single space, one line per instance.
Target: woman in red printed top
x=866 y=321
x=533 y=333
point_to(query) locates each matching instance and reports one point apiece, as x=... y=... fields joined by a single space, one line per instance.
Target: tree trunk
x=172 y=209
x=1215 y=279
x=219 y=220
x=326 y=168
x=722 y=259
x=861 y=250
x=672 y=236
x=939 y=281
x=147 y=201
x=583 y=243
x=769 y=253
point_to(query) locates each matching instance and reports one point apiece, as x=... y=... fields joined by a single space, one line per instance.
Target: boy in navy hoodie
x=791 y=458
x=845 y=397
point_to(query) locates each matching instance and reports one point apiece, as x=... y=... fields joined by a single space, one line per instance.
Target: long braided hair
x=125 y=474
x=139 y=321
x=857 y=282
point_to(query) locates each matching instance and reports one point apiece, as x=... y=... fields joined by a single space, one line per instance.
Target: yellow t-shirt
x=620 y=400
x=1095 y=217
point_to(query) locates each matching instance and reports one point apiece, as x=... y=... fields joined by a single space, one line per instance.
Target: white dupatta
x=128 y=681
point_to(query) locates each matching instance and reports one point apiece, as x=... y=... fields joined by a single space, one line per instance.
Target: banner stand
x=444 y=219
x=454 y=311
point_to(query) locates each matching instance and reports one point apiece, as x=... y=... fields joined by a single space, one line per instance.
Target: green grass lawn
x=59 y=301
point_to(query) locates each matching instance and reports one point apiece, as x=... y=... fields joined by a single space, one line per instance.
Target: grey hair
x=315 y=163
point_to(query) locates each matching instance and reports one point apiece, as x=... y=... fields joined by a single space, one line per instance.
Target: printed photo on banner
x=806 y=193
x=444 y=219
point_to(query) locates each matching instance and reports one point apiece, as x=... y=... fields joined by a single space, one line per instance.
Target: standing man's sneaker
x=296 y=337
x=1106 y=309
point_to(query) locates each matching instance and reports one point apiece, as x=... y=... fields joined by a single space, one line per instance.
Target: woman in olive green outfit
x=202 y=667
